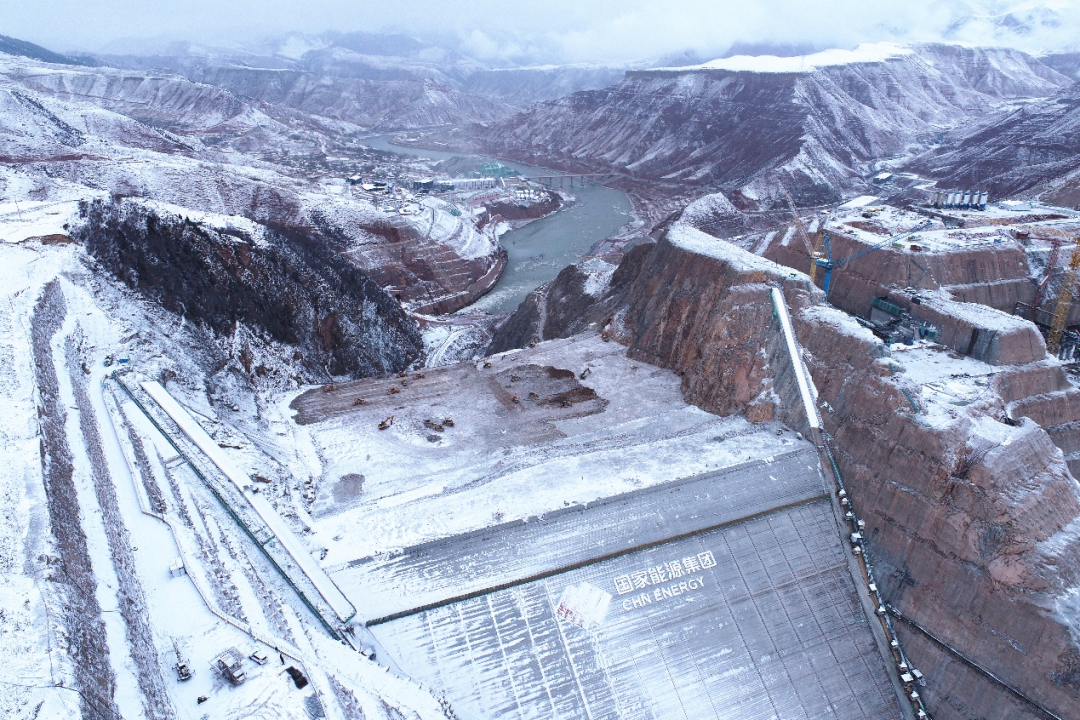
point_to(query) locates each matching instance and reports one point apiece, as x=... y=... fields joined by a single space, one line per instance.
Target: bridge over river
x=562 y=179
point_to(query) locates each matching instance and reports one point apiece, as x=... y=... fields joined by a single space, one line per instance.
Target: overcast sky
x=554 y=30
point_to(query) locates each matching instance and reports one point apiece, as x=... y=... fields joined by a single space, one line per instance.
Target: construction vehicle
x=402 y=374
x=432 y=425
x=1064 y=302
x=359 y=401
x=393 y=391
x=515 y=399
x=448 y=422
x=386 y=423
x=419 y=376
x=183 y=670
x=800 y=230
x=329 y=387
x=829 y=264
x=229 y=664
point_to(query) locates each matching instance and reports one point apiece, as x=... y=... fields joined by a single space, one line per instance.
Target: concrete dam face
x=697 y=568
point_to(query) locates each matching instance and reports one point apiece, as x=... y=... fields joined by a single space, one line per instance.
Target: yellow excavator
x=1064 y=301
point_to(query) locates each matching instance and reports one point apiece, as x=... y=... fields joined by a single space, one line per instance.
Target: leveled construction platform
x=621 y=555
x=625 y=427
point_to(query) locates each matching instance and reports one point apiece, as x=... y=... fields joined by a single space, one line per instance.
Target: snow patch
x=693 y=240
x=865 y=53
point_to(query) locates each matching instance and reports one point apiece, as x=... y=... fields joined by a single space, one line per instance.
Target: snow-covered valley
x=268 y=456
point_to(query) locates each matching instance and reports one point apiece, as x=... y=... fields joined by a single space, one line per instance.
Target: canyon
x=684 y=474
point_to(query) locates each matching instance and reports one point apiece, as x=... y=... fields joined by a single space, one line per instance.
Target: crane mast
x=1064 y=302
x=811 y=250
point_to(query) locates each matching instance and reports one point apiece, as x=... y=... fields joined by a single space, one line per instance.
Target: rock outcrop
x=287 y=285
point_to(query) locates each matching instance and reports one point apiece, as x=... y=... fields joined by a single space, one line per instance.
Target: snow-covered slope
x=1033 y=149
x=202 y=149
x=372 y=104
x=1064 y=63
x=745 y=125
x=98 y=509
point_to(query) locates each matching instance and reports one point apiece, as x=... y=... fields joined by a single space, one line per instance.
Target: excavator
x=1064 y=301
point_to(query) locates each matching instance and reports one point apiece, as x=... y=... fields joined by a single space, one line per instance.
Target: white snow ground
x=229 y=595
x=502 y=460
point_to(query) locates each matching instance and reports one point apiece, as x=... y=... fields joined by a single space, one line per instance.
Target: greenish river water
x=539 y=250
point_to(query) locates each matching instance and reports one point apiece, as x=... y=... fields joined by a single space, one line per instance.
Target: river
x=538 y=251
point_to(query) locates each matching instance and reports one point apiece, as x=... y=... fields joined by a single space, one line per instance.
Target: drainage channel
x=261 y=535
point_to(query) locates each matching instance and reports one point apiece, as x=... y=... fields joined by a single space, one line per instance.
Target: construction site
x=728 y=493
x=555 y=532
x=995 y=284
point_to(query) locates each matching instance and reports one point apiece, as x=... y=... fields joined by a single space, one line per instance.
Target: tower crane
x=1055 y=252
x=801 y=231
x=829 y=264
x=1064 y=301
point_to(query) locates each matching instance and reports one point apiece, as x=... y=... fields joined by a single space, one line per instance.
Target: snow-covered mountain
x=74 y=133
x=1034 y=149
x=745 y=125
x=22 y=48
x=376 y=80
x=1064 y=63
x=527 y=85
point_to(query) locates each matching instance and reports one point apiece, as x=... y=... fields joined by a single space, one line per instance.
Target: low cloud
x=601 y=31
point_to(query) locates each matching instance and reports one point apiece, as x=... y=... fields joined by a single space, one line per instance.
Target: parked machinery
x=183 y=670
x=229 y=664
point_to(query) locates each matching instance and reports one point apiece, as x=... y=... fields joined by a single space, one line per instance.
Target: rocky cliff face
x=742 y=132
x=973 y=519
x=973 y=527
x=284 y=286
